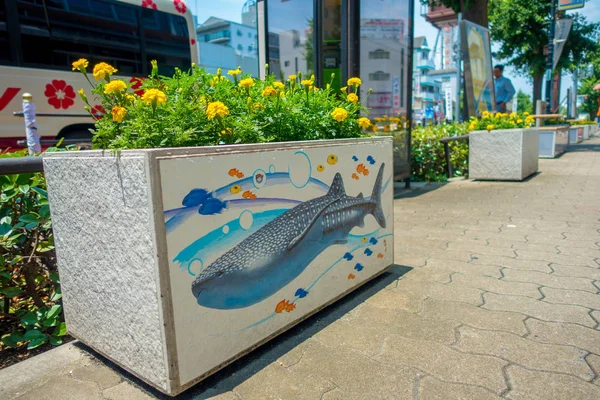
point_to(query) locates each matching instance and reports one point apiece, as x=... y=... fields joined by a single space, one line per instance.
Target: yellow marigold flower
x=519 y=121
x=490 y=127
x=307 y=82
x=292 y=77
x=102 y=70
x=234 y=72
x=216 y=109
x=344 y=89
x=513 y=115
x=154 y=96
x=131 y=97
x=529 y=120
x=80 y=64
x=364 y=122
x=279 y=85
x=352 y=98
x=269 y=91
x=339 y=114
x=354 y=82
x=485 y=114
x=116 y=86
x=247 y=83
x=472 y=125
x=375 y=128
x=526 y=113
x=118 y=113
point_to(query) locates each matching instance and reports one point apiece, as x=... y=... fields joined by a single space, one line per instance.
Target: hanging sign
x=570 y=4
x=563 y=27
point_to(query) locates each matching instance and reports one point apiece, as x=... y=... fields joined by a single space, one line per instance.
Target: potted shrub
x=217 y=212
x=503 y=147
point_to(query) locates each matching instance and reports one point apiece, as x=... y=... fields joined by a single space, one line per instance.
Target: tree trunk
x=476 y=11
x=538 y=80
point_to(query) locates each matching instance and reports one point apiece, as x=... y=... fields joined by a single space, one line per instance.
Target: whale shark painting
x=273 y=256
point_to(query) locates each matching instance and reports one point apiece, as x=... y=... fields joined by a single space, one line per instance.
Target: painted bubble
x=235 y=189
x=246 y=219
x=259 y=178
x=226 y=229
x=320 y=167
x=300 y=169
x=332 y=159
x=195 y=266
x=271 y=169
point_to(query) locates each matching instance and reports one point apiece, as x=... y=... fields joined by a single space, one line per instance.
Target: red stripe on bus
x=7 y=96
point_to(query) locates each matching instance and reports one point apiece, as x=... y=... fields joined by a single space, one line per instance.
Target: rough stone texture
x=578 y=297
x=106 y=258
x=493 y=285
x=527 y=353
x=527 y=385
x=503 y=154
x=553 y=281
x=432 y=389
x=564 y=333
x=594 y=362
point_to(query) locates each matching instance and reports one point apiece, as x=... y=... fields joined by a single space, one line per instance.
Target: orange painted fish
x=379 y=255
x=290 y=307
x=354 y=176
x=233 y=172
x=360 y=168
x=282 y=306
x=247 y=194
x=239 y=175
x=365 y=172
x=351 y=276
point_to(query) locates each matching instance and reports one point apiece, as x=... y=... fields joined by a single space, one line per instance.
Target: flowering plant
x=582 y=122
x=496 y=121
x=197 y=108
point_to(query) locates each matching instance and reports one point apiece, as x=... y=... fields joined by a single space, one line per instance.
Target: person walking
x=504 y=88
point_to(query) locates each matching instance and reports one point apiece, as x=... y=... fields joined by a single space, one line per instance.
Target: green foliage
x=591 y=104
x=524 y=103
x=428 y=160
x=30 y=296
x=521 y=29
x=496 y=121
x=179 y=111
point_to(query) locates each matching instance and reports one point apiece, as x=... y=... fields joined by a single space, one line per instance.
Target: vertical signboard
x=479 y=80
x=396 y=95
x=563 y=27
x=448 y=98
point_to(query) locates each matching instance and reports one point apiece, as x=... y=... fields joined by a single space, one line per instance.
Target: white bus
x=39 y=39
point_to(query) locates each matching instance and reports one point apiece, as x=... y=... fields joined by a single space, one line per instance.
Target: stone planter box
x=575 y=134
x=593 y=129
x=176 y=262
x=505 y=155
x=553 y=141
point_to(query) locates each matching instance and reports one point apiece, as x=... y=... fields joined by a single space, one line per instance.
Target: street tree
x=591 y=104
x=472 y=10
x=520 y=27
x=524 y=103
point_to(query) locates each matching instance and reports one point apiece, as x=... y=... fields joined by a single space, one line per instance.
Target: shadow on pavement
x=233 y=375
x=584 y=147
x=416 y=189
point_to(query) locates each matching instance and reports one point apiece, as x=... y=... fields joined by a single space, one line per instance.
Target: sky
x=231 y=10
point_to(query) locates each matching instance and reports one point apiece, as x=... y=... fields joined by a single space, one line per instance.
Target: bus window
x=166 y=37
x=4 y=43
x=94 y=29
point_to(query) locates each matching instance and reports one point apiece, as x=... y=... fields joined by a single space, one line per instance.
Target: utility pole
x=550 y=61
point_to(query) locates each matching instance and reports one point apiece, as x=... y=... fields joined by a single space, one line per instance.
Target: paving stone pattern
x=495 y=294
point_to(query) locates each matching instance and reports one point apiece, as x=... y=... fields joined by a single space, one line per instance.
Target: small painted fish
x=301 y=293
x=348 y=256
x=373 y=241
x=239 y=175
x=365 y=172
x=290 y=307
x=360 y=168
x=212 y=206
x=354 y=158
x=371 y=160
x=379 y=255
x=354 y=176
x=359 y=267
x=281 y=306
x=195 y=197
x=248 y=194
x=233 y=172
x=351 y=276
x=368 y=252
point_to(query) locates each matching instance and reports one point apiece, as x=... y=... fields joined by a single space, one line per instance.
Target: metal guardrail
x=21 y=165
x=20 y=114
x=445 y=142
x=52 y=142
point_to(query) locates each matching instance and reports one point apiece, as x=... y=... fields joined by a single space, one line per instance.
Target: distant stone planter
x=575 y=134
x=553 y=141
x=176 y=262
x=504 y=155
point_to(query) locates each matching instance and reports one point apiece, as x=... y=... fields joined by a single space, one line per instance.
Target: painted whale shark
x=273 y=256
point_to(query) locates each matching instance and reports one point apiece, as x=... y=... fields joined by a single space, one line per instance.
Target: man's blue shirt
x=505 y=90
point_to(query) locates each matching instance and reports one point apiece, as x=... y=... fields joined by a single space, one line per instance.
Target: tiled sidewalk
x=496 y=294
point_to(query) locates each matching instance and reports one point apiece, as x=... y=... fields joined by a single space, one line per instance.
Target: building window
x=446 y=79
x=250 y=48
x=424 y=55
x=239 y=33
x=240 y=47
x=379 y=76
x=286 y=64
x=249 y=35
x=379 y=54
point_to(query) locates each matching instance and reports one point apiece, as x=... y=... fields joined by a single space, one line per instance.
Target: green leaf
x=37 y=342
x=54 y=311
x=23 y=179
x=8 y=194
x=40 y=191
x=29 y=318
x=33 y=334
x=31 y=225
x=9 y=340
x=45 y=211
x=24 y=189
x=60 y=330
x=55 y=341
x=54 y=277
x=56 y=296
x=10 y=291
x=5 y=229
x=6 y=220
x=29 y=218
x=50 y=322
